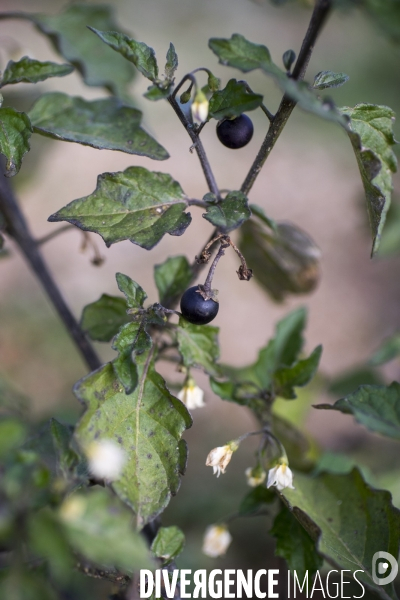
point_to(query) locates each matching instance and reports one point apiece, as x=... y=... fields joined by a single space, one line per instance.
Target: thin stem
x=219 y=255
x=265 y=110
x=187 y=77
x=53 y=234
x=18 y=229
x=194 y=202
x=318 y=18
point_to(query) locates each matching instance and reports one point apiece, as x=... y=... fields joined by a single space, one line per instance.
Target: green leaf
x=68 y=32
x=350 y=520
x=138 y=53
x=156 y=92
x=99 y=528
x=298 y=375
x=198 y=346
x=233 y=100
x=295 y=545
x=349 y=381
x=390 y=240
x=255 y=501
x=230 y=213
x=67 y=459
x=329 y=79
x=29 y=70
x=101 y=320
x=132 y=338
x=259 y=212
x=106 y=124
x=389 y=349
x=172 y=278
x=148 y=424
x=168 y=543
x=370 y=130
x=172 y=62
x=288 y=59
x=15 y=132
x=134 y=293
x=376 y=407
x=284 y=261
x=136 y=205
x=12 y=434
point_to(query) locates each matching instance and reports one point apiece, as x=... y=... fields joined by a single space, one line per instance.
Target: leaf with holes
x=15 y=132
x=233 y=100
x=198 y=345
x=105 y=124
x=29 y=70
x=230 y=213
x=148 y=424
x=136 y=205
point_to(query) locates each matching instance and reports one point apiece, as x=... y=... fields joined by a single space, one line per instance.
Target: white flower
x=191 y=395
x=219 y=458
x=255 y=476
x=281 y=476
x=216 y=540
x=106 y=459
x=200 y=107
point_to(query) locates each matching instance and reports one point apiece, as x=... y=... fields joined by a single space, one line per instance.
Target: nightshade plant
x=91 y=496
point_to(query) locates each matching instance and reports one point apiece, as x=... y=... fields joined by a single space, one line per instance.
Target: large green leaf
x=15 y=132
x=350 y=520
x=68 y=33
x=389 y=349
x=136 y=205
x=230 y=213
x=233 y=100
x=198 y=345
x=147 y=423
x=246 y=56
x=294 y=544
x=370 y=130
x=374 y=406
x=285 y=260
x=29 y=70
x=106 y=124
x=99 y=527
x=172 y=278
x=141 y=55
x=101 y=320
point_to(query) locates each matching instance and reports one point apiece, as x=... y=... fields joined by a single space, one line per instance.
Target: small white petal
x=219 y=458
x=191 y=396
x=216 y=540
x=255 y=476
x=280 y=476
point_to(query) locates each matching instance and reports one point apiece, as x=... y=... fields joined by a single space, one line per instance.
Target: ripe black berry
x=235 y=133
x=195 y=309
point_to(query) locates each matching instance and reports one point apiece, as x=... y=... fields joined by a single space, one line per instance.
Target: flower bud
x=255 y=476
x=200 y=107
x=216 y=540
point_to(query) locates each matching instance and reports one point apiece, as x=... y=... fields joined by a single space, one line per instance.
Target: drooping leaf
x=294 y=544
x=350 y=520
x=375 y=407
x=172 y=62
x=389 y=349
x=298 y=375
x=230 y=213
x=329 y=79
x=132 y=338
x=136 y=205
x=141 y=55
x=233 y=100
x=15 y=132
x=133 y=292
x=198 y=346
x=99 y=527
x=370 y=130
x=172 y=278
x=284 y=261
x=147 y=424
x=68 y=32
x=29 y=70
x=106 y=124
x=350 y=380
x=168 y=543
x=101 y=320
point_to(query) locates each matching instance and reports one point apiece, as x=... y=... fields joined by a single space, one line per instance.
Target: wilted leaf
x=350 y=520
x=101 y=320
x=284 y=261
x=172 y=278
x=233 y=100
x=295 y=545
x=370 y=130
x=389 y=349
x=329 y=79
x=375 y=407
x=147 y=424
x=136 y=205
x=198 y=346
x=106 y=124
x=230 y=213
x=168 y=543
x=15 y=132
x=28 y=70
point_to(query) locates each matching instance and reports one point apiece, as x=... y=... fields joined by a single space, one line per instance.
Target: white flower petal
x=216 y=540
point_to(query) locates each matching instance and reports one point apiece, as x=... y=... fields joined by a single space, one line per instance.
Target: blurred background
x=311 y=179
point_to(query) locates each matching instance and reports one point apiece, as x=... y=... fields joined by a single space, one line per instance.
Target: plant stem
x=318 y=18
x=18 y=229
x=208 y=281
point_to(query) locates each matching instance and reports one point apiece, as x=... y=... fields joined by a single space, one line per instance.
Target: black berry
x=195 y=309
x=235 y=133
